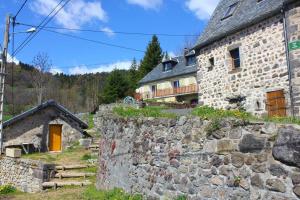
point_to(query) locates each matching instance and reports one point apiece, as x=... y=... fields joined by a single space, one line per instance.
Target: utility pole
x=2 y=77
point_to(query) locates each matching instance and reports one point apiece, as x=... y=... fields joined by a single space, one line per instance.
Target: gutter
x=287 y=52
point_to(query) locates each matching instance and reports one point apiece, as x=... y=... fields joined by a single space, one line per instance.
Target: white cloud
x=109 y=32
x=203 y=9
x=56 y=70
x=82 y=69
x=10 y=59
x=147 y=4
x=171 y=54
x=74 y=15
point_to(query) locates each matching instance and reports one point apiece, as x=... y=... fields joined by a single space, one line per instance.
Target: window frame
x=235 y=62
x=168 y=66
x=193 y=62
x=176 y=84
x=230 y=10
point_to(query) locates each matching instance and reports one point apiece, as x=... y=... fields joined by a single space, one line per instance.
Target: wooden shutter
x=276 y=103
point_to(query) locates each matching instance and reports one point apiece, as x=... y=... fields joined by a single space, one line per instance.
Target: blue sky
x=71 y=56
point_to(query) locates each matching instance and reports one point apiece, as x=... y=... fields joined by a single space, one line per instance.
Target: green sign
x=294 y=45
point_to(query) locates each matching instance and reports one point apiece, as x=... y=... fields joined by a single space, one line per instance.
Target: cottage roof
x=246 y=13
x=47 y=104
x=178 y=70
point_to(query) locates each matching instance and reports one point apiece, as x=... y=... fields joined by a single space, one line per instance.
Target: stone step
x=73 y=175
x=56 y=184
x=71 y=167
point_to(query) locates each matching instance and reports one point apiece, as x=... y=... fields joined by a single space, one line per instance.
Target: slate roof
x=50 y=103
x=178 y=70
x=248 y=12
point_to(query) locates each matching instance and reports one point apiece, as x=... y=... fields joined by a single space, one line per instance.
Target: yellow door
x=55 y=137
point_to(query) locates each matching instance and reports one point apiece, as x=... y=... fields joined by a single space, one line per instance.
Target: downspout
x=287 y=53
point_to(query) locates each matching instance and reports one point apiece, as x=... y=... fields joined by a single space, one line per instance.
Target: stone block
x=275 y=185
x=237 y=159
x=252 y=144
x=225 y=146
x=13 y=152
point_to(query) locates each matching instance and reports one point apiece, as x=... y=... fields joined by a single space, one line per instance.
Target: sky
x=74 y=56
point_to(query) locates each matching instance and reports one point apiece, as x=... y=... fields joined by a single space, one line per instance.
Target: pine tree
x=152 y=58
x=116 y=86
x=133 y=77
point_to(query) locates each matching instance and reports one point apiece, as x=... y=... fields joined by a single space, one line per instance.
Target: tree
x=116 y=86
x=133 y=77
x=152 y=58
x=40 y=75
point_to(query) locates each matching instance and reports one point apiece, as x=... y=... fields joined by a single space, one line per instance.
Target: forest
x=28 y=85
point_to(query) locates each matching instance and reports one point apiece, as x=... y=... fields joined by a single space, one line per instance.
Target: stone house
x=47 y=127
x=173 y=80
x=249 y=57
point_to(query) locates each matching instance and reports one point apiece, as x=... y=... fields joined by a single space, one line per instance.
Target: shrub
x=86 y=157
x=181 y=197
x=7 y=189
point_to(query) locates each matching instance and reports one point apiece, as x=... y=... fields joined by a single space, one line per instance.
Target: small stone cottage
x=249 y=57
x=47 y=127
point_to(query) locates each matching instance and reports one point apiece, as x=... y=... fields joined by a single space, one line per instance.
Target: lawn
x=71 y=156
x=149 y=111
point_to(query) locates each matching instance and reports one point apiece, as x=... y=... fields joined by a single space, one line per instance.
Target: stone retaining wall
x=26 y=175
x=163 y=158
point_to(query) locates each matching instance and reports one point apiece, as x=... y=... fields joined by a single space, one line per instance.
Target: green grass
x=205 y=112
x=149 y=111
x=92 y=193
x=7 y=189
x=7 y=117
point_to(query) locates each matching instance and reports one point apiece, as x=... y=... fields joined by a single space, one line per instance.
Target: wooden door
x=276 y=103
x=55 y=135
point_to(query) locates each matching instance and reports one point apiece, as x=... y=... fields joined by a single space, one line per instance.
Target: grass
x=205 y=112
x=7 y=117
x=74 y=193
x=149 y=111
x=73 y=155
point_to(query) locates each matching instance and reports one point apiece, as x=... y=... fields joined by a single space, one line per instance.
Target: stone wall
x=35 y=129
x=25 y=175
x=263 y=67
x=165 y=158
x=293 y=34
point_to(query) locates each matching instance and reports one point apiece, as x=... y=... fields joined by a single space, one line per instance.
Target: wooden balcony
x=190 y=89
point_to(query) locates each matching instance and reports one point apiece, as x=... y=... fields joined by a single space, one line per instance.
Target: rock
x=235 y=133
x=259 y=168
x=174 y=163
x=257 y=181
x=286 y=147
x=252 y=144
x=296 y=190
x=224 y=146
x=214 y=170
x=269 y=128
x=277 y=170
x=182 y=120
x=244 y=184
x=275 y=185
x=216 y=161
x=216 y=181
x=224 y=170
x=226 y=160
x=295 y=178
x=237 y=160
x=262 y=157
x=249 y=160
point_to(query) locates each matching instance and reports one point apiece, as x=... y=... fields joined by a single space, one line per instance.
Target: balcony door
x=153 y=89
x=176 y=87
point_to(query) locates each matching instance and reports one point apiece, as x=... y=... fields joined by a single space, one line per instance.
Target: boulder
x=297 y=190
x=277 y=170
x=287 y=146
x=252 y=144
x=257 y=181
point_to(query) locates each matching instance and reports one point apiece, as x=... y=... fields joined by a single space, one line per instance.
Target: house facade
x=47 y=127
x=173 y=80
x=248 y=57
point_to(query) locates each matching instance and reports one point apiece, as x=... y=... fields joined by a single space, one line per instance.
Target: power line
x=20 y=8
x=115 y=32
x=41 y=25
x=94 y=41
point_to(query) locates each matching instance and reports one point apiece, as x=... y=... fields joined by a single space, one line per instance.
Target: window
x=190 y=60
x=176 y=84
x=235 y=56
x=230 y=10
x=212 y=62
x=153 y=88
x=167 y=66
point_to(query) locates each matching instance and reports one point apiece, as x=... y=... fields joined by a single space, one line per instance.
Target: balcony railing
x=190 y=89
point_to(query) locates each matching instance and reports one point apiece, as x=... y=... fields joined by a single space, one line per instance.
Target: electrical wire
x=115 y=32
x=20 y=9
x=94 y=41
x=41 y=25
